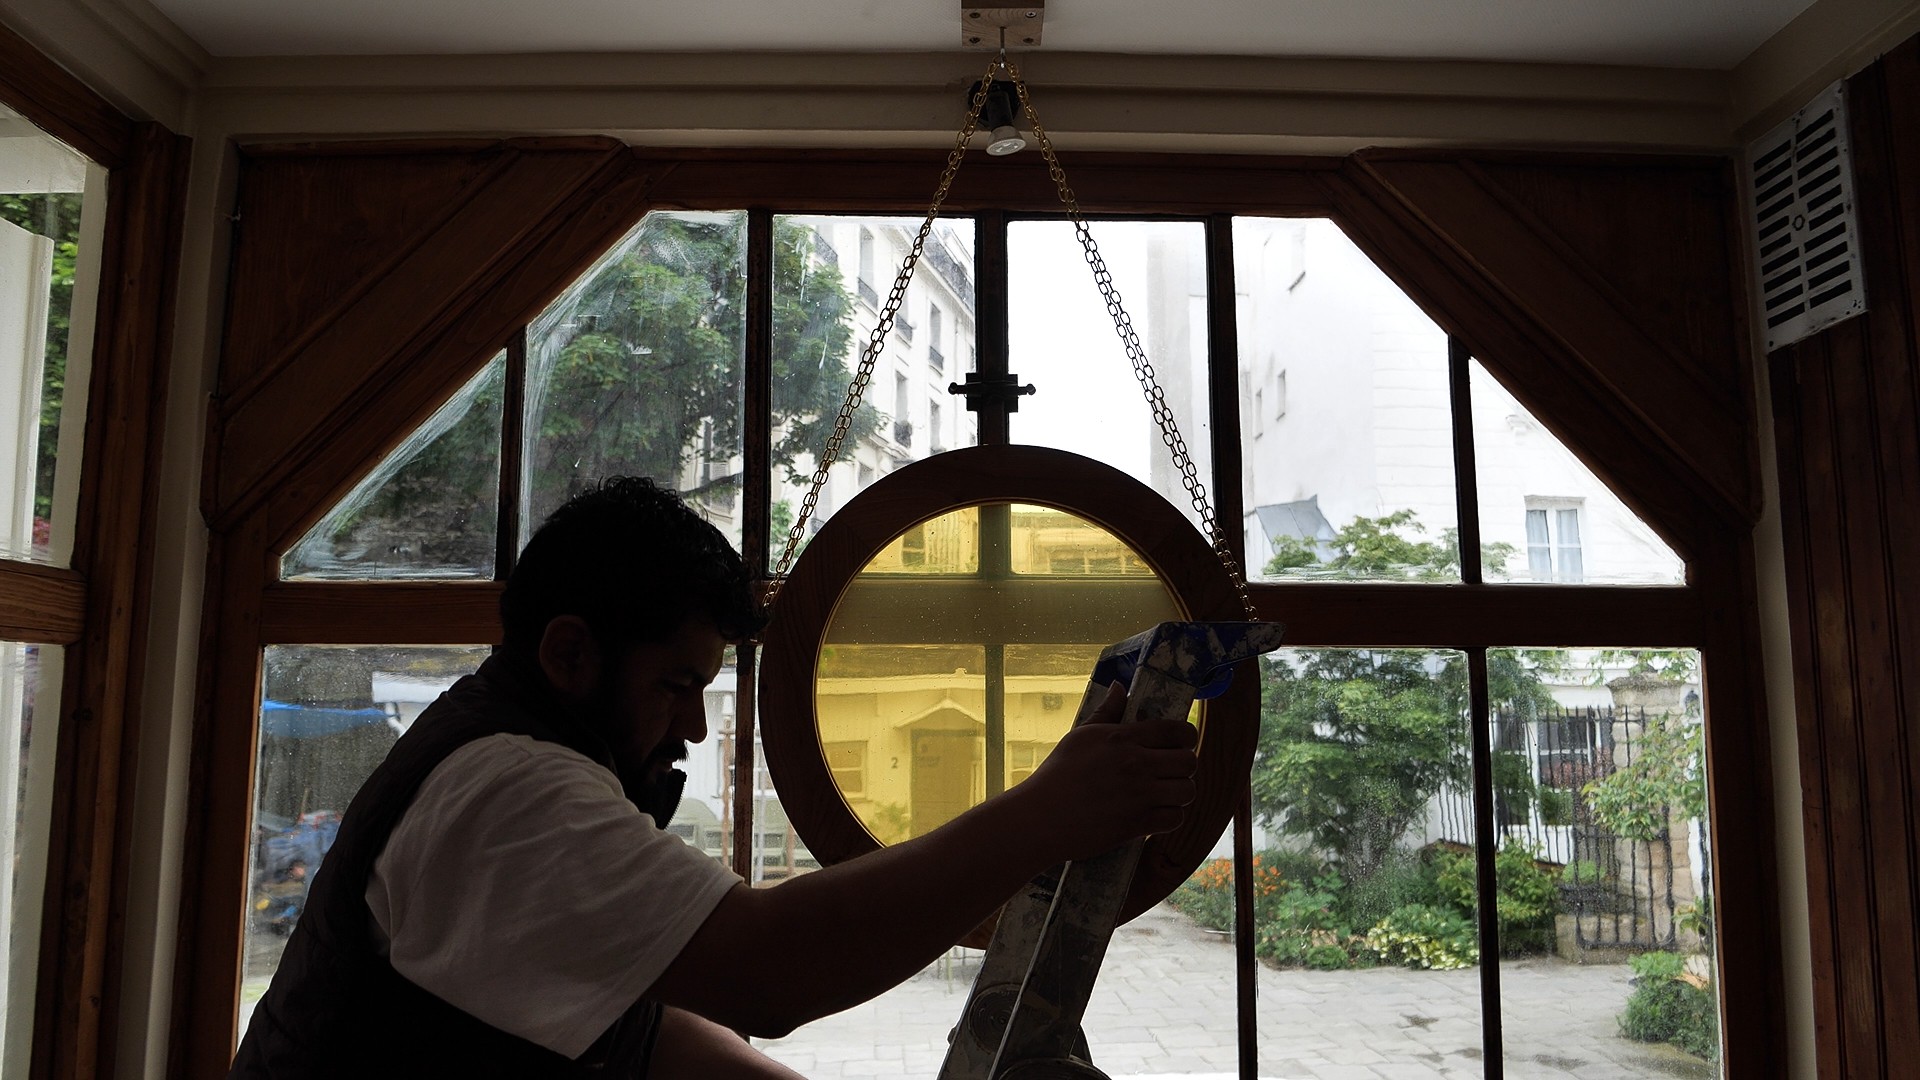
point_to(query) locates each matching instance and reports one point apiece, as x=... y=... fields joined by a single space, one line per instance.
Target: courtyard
x=1165 y=1008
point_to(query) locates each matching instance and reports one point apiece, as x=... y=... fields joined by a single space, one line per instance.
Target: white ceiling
x=1715 y=34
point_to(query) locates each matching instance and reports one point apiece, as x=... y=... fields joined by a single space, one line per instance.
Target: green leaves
x=1382 y=548
x=1352 y=746
x=1665 y=775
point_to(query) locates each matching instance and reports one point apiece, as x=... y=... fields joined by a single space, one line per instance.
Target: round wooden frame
x=950 y=481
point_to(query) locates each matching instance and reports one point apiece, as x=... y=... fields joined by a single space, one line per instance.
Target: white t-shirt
x=522 y=887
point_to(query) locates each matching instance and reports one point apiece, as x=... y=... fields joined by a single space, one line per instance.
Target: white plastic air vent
x=1801 y=197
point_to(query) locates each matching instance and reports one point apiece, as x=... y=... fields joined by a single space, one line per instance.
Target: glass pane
x=1061 y=340
x=1365 y=901
x=29 y=691
x=1346 y=427
x=52 y=220
x=430 y=510
x=831 y=277
x=1606 y=916
x=328 y=716
x=942 y=686
x=1544 y=516
x=1163 y=1007
x=637 y=370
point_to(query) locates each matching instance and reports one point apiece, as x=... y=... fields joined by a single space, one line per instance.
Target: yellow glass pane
x=949 y=544
x=956 y=659
x=1048 y=541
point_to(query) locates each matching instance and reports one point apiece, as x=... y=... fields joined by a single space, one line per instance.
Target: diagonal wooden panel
x=315 y=230
x=1608 y=218
x=312 y=392
x=1597 y=328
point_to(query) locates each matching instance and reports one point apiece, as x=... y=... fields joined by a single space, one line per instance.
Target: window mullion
x=1223 y=405
x=1486 y=884
x=1467 y=513
x=513 y=416
x=756 y=507
x=990 y=320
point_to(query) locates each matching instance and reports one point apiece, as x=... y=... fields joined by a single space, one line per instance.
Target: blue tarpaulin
x=280 y=719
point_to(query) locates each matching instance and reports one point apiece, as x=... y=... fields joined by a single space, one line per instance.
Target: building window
x=934 y=356
x=848 y=763
x=1553 y=540
x=867 y=291
x=1023 y=758
x=1280 y=395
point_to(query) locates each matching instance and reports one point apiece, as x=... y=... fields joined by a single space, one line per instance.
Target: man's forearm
x=845 y=933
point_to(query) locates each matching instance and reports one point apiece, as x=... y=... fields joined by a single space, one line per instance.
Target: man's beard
x=657 y=789
x=653 y=785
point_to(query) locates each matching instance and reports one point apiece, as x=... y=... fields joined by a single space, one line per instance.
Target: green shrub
x=1526 y=902
x=1418 y=936
x=1657 y=967
x=1290 y=924
x=1556 y=806
x=1666 y=1008
x=1328 y=958
x=1403 y=878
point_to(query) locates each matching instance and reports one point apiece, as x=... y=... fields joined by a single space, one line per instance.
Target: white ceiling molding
x=1232 y=104
x=1662 y=33
x=1827 y=42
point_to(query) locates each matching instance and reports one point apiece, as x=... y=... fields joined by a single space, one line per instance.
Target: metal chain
x=1123 y=326
x=1136 y=354
x=877 y=339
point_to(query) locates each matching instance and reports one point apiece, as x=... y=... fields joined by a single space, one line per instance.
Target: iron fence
x=1620 y=892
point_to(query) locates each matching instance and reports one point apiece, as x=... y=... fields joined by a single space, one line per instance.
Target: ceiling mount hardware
x=981 y=26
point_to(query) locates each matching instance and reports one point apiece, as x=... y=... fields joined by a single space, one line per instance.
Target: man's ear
x=570 y=657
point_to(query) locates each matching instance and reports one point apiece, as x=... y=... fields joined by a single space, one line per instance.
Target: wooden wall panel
x=313 y=231
x=296 y=403
x=1847 y=409
x=1610 y=216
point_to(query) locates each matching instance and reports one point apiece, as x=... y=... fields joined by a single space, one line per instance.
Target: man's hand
x=1106 y=782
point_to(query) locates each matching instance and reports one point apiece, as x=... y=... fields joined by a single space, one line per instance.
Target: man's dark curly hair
x=635 y=562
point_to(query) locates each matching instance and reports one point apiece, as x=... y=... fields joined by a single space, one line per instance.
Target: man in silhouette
x=503 y=899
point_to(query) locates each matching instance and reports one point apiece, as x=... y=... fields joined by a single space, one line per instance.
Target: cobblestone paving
x=1165 y=1008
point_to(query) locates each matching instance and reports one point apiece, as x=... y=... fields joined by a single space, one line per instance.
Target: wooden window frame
x=1464 y=235
x=97 y=609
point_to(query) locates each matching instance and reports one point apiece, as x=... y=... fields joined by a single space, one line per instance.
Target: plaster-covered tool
x=1022 y=1019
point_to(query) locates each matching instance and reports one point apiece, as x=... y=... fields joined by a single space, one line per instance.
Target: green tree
x=57 y=217
x=649 y=380
x=645 y=378
x=1353 y=743
x=1387 y=546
